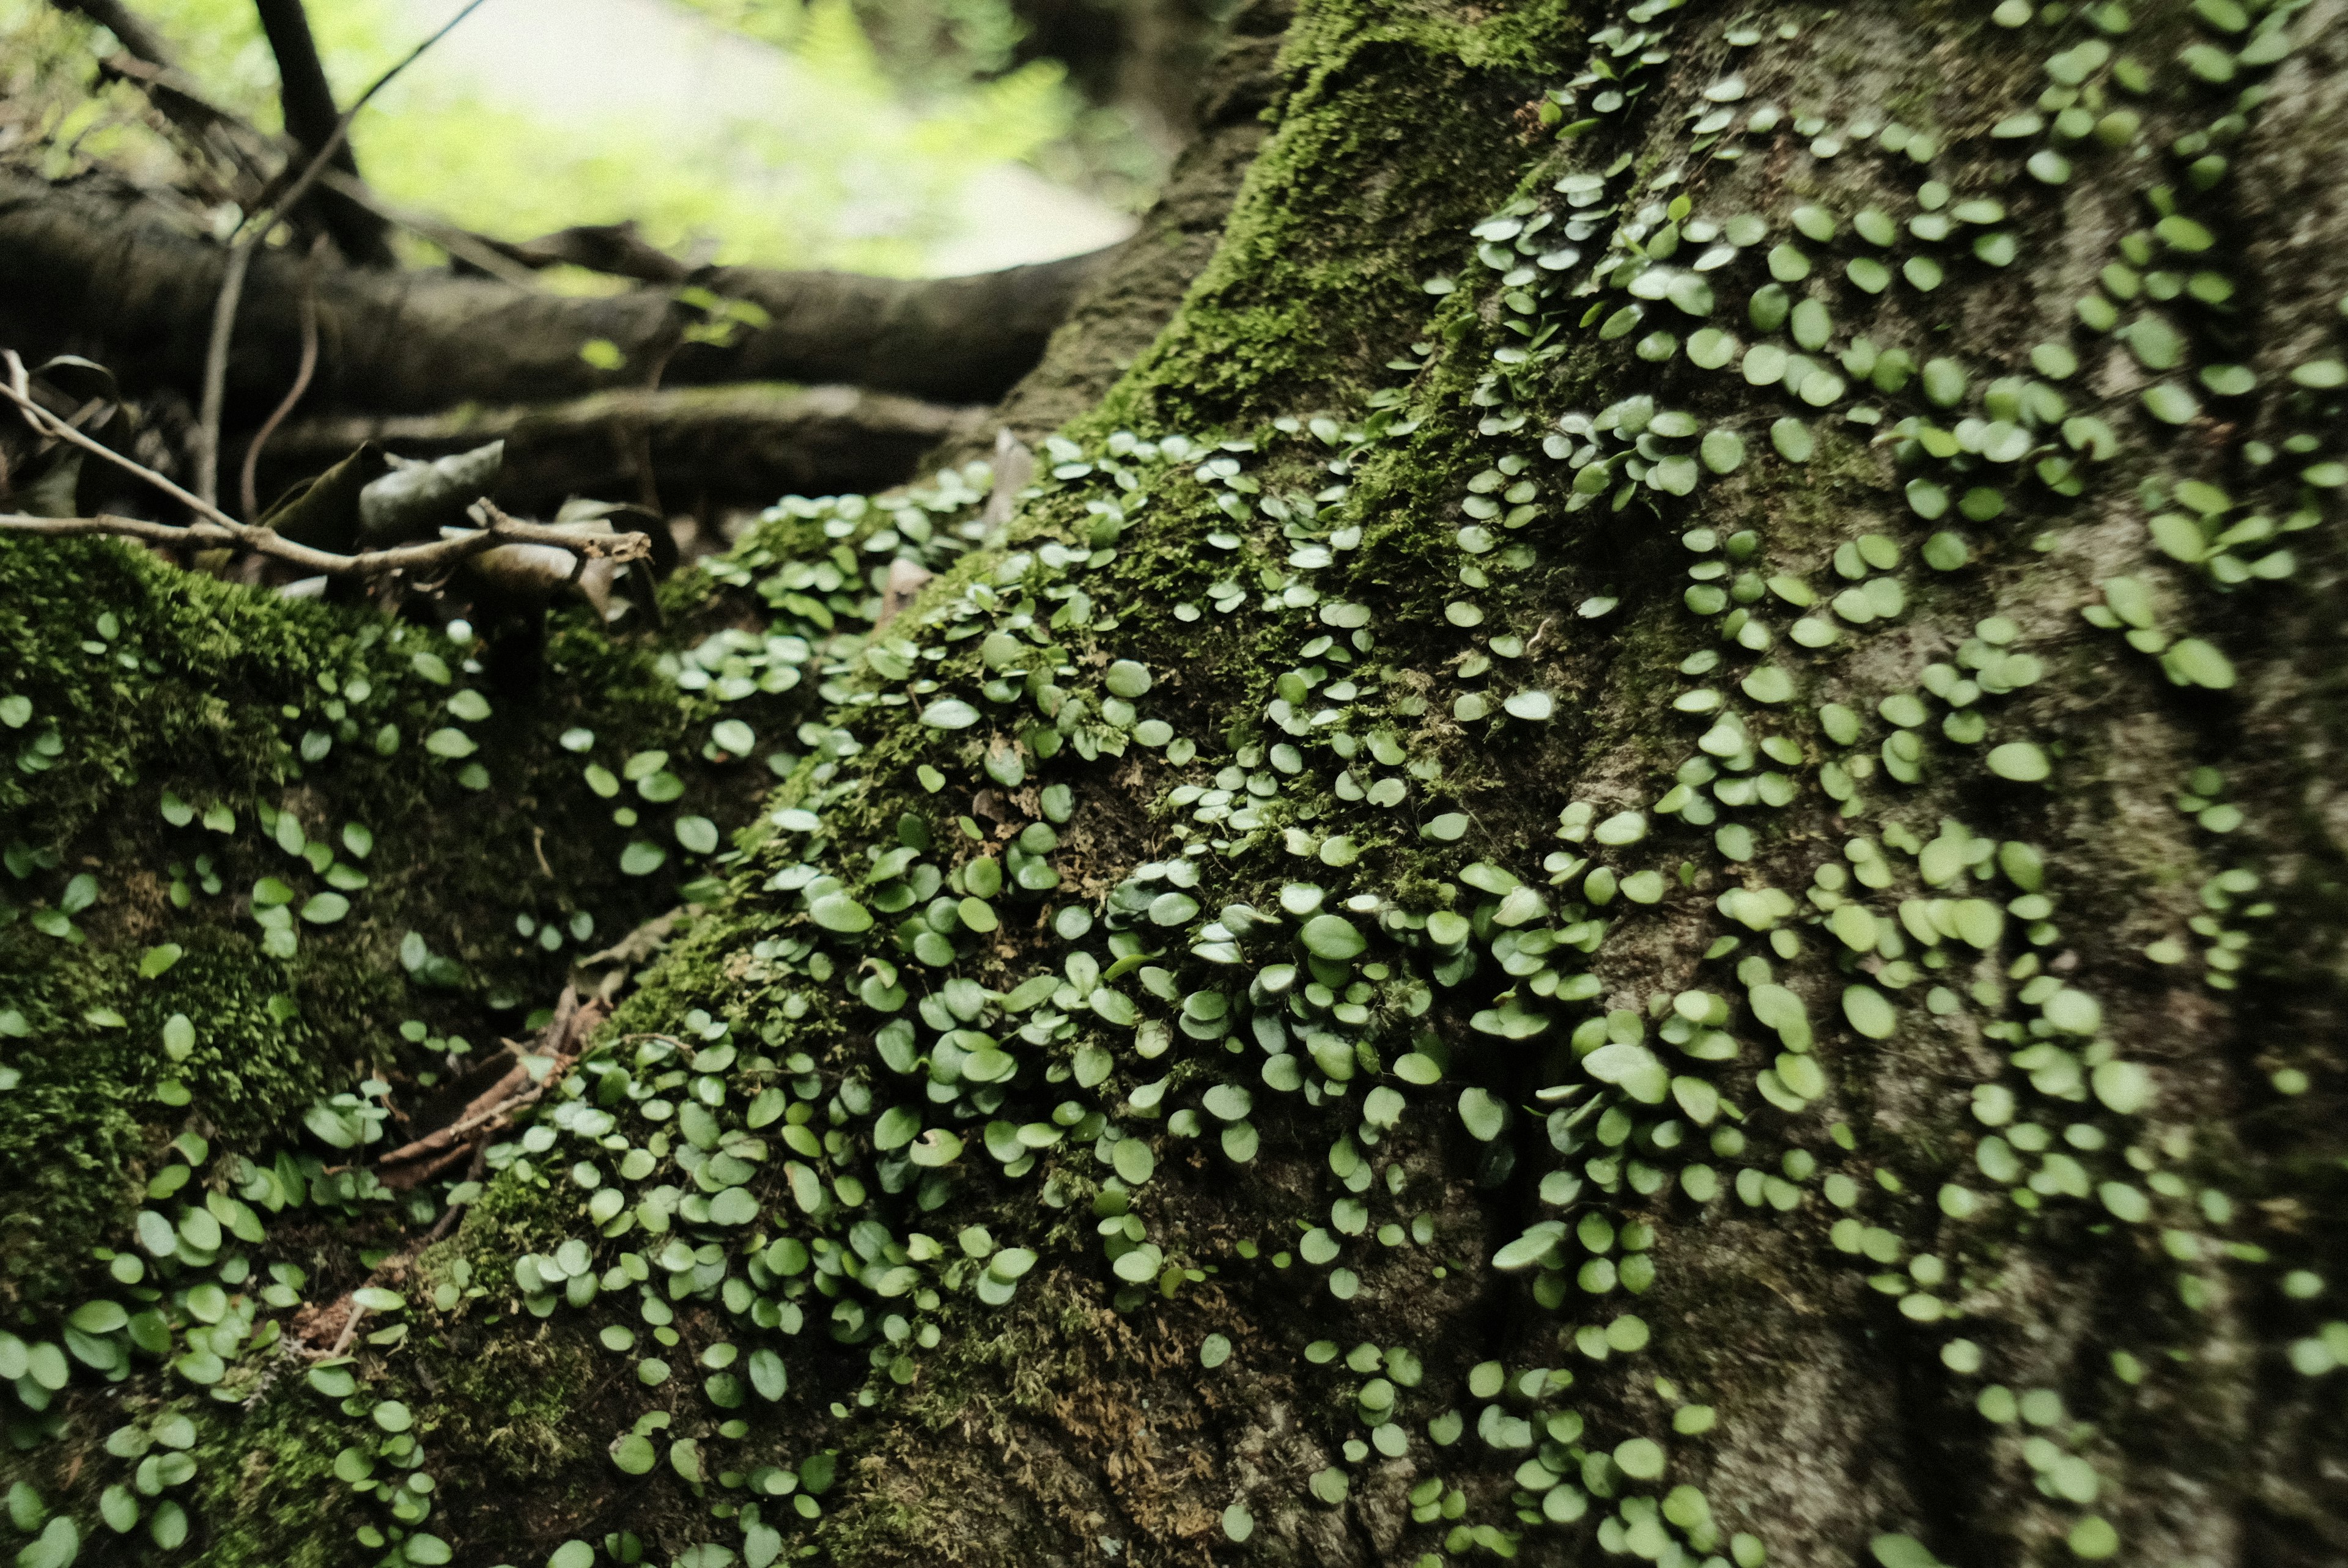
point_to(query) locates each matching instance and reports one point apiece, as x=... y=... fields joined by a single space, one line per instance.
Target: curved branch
x=248 y=490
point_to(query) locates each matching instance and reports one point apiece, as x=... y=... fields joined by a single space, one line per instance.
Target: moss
x=1316 y=282
x=265 y=1490
x=205 y=693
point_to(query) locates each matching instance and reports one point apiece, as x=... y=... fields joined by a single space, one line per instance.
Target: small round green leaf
x=2021 y=761
x=1868 y=1012
x=839 y=912
x=1333 y=937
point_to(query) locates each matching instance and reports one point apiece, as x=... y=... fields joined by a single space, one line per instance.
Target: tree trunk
x=1635 y=852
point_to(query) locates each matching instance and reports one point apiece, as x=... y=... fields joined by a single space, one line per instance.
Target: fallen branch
x=521 y=1085
x=436 y=1145
x=721 y=445
x=556 y=1049
x=247 y=489
x=214 y=527
x=124 y=282
x=414 y=560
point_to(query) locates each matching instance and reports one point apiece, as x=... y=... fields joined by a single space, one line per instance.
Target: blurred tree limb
x=212 y=528
x=116 y=279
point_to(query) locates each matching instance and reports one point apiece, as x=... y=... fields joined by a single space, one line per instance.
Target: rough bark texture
x=1679 y=897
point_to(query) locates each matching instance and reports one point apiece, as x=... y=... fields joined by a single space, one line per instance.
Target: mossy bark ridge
x=1634 y=854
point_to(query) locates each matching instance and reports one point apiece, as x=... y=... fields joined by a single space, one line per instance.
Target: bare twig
x=248 y=235
x=307 y=101
x=215 y=392
x=309 y=366
x=350 y=1328
x=558 y=1046
x=214 y=528
x=19 y=391
x=399 y=1263
x=316 y=167
x=445 y=1140
x=414 y=560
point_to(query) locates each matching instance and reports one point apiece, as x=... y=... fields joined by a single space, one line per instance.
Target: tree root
x=420 y=1160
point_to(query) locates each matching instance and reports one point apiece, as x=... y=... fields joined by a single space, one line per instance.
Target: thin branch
x=241 y=245
x=316 y=167
x=153 y=533
x=417 y=559
x=215 y=392
x=350 y=1328
x=214 y=528
x=307 y=100
x=302 y=375
x=19 y=391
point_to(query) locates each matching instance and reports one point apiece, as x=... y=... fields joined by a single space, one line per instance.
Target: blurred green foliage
x=856 y=165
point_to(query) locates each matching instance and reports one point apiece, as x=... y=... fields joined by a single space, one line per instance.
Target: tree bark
x=1635 y=853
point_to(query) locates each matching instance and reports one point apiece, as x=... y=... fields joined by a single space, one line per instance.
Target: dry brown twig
x=214 y=529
